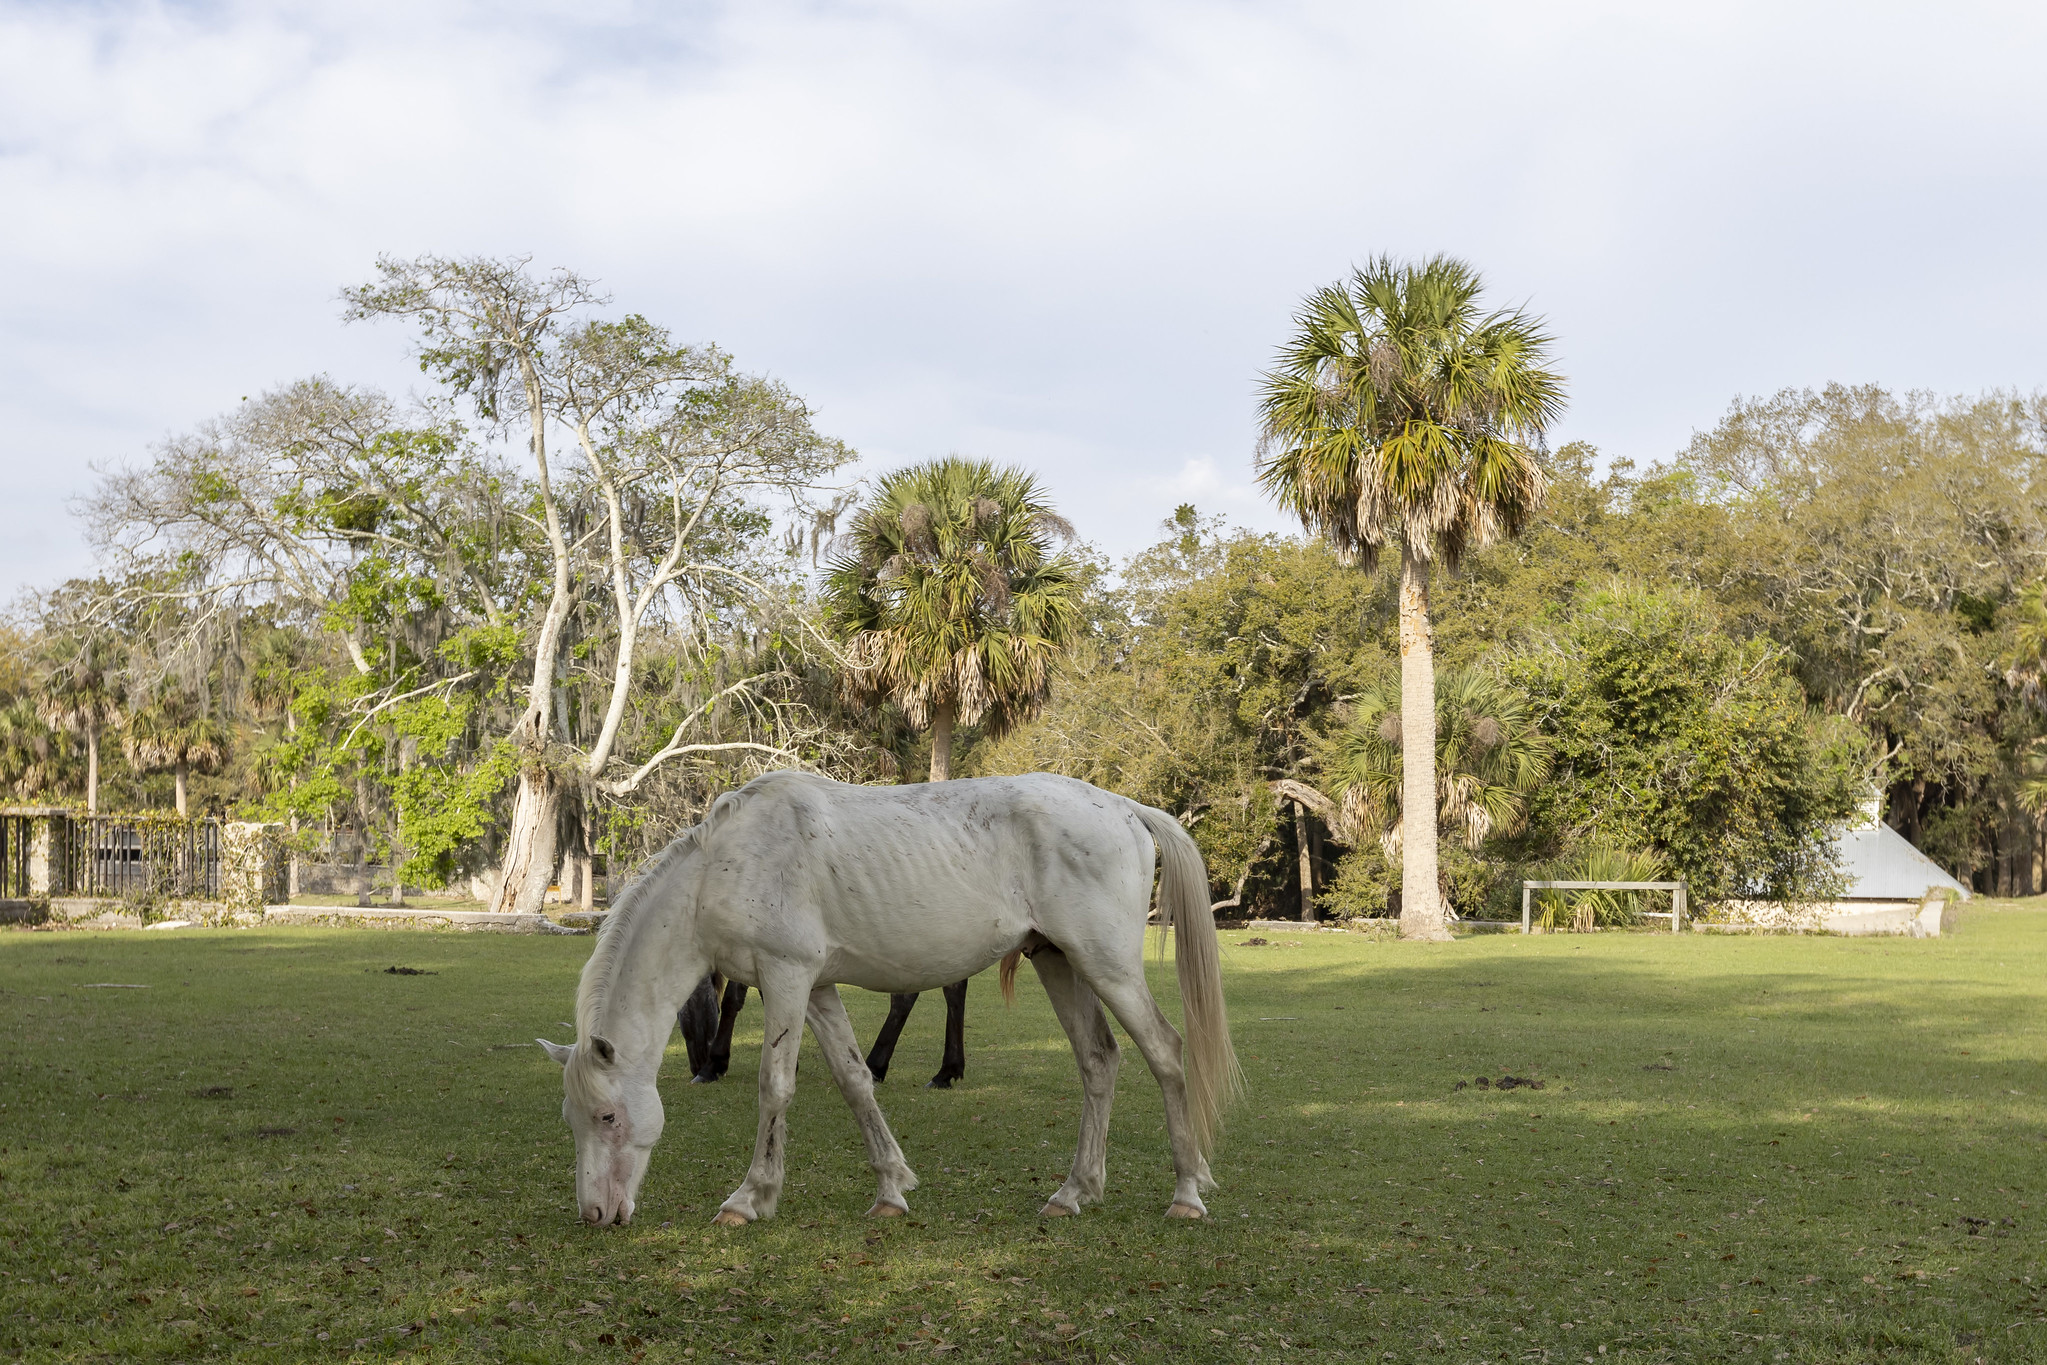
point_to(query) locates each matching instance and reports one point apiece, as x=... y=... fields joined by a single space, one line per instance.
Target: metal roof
x=1882 y=865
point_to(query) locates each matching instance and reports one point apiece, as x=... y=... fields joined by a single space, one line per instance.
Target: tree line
x=595 y=576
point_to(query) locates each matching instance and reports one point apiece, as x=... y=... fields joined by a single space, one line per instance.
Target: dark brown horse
x=706 y=1022
x=952 y=1065
x=707 y=1017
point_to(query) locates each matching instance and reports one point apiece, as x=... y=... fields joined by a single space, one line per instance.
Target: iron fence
x=17 y=837
x=126 y=856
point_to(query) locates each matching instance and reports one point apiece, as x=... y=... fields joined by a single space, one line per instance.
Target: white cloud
x=1218 y=486
x=1058 y=233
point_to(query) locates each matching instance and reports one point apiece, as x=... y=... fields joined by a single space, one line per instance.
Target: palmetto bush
x=1490 y=753
x=1581 y=911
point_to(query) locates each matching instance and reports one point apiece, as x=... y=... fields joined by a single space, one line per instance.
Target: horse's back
x=908 y=887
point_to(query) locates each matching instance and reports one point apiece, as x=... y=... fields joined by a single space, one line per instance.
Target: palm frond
x=1583 y=910
x=951 y=589
x=1398 y=412
x=1490 y=753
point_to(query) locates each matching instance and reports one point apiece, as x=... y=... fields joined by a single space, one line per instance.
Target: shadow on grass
x=1832 y=1169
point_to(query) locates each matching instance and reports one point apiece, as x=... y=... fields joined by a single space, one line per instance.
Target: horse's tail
x=1007 y=976
x=1213 y=1077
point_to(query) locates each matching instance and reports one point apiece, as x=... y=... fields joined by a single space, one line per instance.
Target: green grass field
x=1803 y=1149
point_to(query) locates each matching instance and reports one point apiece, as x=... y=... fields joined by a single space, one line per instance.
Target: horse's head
x=616 y=1119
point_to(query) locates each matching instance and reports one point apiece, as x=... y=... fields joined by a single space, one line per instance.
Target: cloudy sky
x=1063 y=234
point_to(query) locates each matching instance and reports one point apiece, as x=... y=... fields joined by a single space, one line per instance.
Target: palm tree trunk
x=92 y=770
x=180 y=768
x=1421 y=899
x=941 y=742
x=1307 y=858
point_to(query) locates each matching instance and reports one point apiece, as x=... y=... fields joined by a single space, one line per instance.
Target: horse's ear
x=606 y=1053
x=557 y=1051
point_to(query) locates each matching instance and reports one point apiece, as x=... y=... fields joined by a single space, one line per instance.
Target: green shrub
x=1365 y=881
x=1363 y=885
x=1581 y=911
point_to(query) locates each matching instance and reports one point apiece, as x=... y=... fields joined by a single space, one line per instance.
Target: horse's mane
x=615 y=934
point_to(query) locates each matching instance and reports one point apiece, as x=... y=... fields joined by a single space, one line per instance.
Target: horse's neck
x=656 y=969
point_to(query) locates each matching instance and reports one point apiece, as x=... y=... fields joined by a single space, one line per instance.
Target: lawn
x=1805 y=1149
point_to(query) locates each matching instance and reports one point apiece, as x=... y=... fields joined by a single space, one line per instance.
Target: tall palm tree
x=1490 y=754
x=82 y=697
x=172 y=733
x=954 y=598
x=1400 y=414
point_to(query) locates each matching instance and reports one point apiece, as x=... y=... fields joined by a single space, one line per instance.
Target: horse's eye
x=609 y=1118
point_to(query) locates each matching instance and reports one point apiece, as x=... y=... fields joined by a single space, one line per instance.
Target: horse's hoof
x=1179 y=1210
x=728 y=1219
x=705 y=1078
x=1056 y=1211
x=883 y=1209
x=939 y=1083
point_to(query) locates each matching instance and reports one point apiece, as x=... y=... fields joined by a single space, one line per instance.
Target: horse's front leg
x=953 y=1065
x=842 y=1052
x=782 y=1006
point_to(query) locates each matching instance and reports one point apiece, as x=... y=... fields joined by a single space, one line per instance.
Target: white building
x=1893 y=888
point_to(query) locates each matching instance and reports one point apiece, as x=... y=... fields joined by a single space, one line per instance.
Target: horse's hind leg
x=1094 y=1049
x=782 y=1007
x=953 y=1065
x=719 y=1060
x=1130 y=1001
x=899 y=1007
x=842 y=1051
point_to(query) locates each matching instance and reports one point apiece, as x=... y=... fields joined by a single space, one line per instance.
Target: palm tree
x=1490 y=754
x=82 y=697
x=30 y=755
x=953 y=598
x=172 y=733
x=1400 y=414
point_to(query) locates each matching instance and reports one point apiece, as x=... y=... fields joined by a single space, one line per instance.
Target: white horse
x=797 y=883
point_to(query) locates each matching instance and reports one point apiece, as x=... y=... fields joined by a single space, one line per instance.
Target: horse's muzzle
x=597 y=1215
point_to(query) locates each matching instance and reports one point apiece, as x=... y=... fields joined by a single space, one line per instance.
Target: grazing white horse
x=796 y=883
